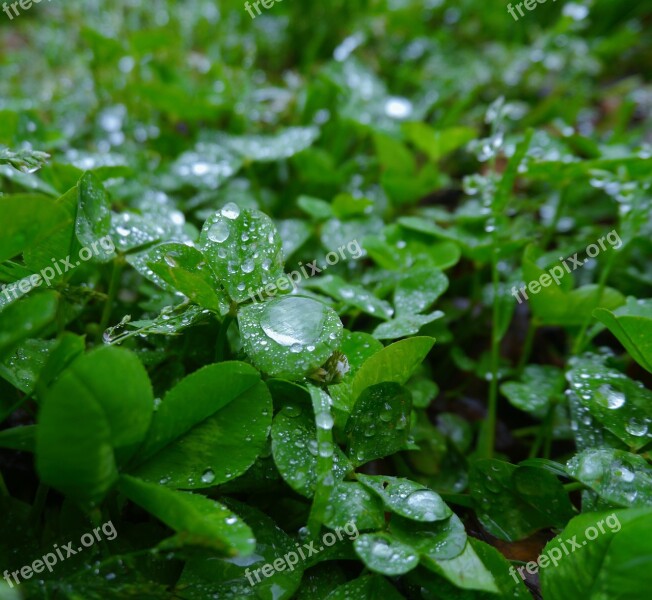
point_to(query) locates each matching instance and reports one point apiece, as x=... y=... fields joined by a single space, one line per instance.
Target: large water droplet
x=610 y=397
x=425 y=503
x=294 y=320
x=231 y=210
x=636 y=427
x=324 y=420
x=218 y=232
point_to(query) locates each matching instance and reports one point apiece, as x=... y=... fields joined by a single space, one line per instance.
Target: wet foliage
x=368 y=284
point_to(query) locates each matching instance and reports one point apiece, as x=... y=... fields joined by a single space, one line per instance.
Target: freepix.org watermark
x=554 y=555
x=48 y=274
x=293 y=279
x=24 y=4
x=305 y=551
x=529 y=4
x=266 y=4
x=557 y=272
x=48 y=561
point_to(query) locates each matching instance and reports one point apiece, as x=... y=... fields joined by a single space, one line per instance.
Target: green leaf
x=514 y=502
x=351 y=502
x=60 y=243
x=442 y=540
x=244 y=250
x=394 y=155
x=540 y=385
x=208 y=429
x=27 y=220
x=320 y=580
x=352 y=295
x=295 y=448
x=401 y=249
x=320 y=210
x=198 y=520
x=271 y=148
x=82 y=462
x=206 y=167
x=185 y=269
x=291 y=336
x=207 y=576
x=23 y=366
x=384 y=554
x=453 y=578
x=418 y=289
x=93 y=215
x=24 y=160
x=466 y=570
x=362 y=588
x=395 y=363
x=357 y=347
x=68 y=347
x=26 y=318
x=616 y=563
x=437 y=143
x=346 y=206
x=632 y=325
x=404 y=326
x=19 y=438
x=623 y=406
x=294 y=234
x=378 y=425
x=617 y=476
x=554 y=305
x=407 y=498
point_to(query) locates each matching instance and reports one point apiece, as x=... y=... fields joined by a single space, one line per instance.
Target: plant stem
x=550 y=233
x=571 y=487
x=3 y=487
x=527 y=346
x=111 y=296
x=543 y=432
x=325 y=480
x=39 y=502
x=221 y=346
x=487 y=437
x=578 y=346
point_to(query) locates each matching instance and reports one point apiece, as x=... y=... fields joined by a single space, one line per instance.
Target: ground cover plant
x=325 y=300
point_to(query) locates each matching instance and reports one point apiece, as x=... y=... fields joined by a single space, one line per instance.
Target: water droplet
x=425 y=503
x=169 y=259
x=636 y=427
x=610 y=397
x=324 y=420
x=293 y=320
x=231 y=211
x=219 y=232
x=208 y=476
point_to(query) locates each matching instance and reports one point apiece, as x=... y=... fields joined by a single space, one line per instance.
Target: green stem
x=114 y=285
x=526 y=431
x=3 y=487
x=487 y=437
x=325 y=480
x=550 y=233
x=571 y=487
x=39 y=503
x=222 y=344
x=578 y=346
x=527 y=346
x=543 y=432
